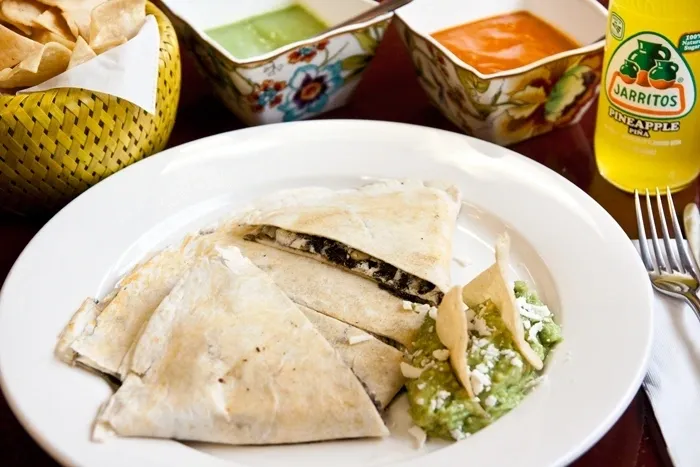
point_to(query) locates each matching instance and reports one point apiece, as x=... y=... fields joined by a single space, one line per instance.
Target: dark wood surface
x=390 y=91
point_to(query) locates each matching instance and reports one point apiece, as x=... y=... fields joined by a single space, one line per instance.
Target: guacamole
x=500 y=378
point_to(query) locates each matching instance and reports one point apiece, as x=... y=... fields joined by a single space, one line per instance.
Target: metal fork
x=674 y=274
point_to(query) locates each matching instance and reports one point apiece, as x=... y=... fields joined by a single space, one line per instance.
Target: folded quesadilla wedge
x=492 y=284
x=396 y=233
x=375 y=363
x=331 y=291
x=100 y=333
x=228 y=358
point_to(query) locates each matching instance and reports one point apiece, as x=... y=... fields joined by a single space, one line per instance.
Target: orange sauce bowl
x=506 y=70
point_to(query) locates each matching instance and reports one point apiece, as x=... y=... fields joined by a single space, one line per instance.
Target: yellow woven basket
x=56 y=144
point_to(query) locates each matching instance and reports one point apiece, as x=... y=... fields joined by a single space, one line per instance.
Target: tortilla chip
x=72 y=25
x=492 y=284
x=116 y=19
x=109 y=45
x=51 y=20
x=53 y=60
x=76 y=13
x=45 y=37
x=452 y=330
x=21 y=12
x=81 y=53
x=15 y=47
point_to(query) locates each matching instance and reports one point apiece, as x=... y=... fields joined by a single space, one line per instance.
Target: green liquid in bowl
x=264 y=33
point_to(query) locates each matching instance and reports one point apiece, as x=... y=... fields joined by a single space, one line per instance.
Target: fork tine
x=670 y=254
x=688 y=263
x=660 y=261
x=641 y=233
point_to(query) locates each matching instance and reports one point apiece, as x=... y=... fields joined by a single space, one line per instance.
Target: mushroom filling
x=390 y=278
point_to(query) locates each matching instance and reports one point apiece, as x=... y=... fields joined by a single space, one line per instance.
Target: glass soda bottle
x=648 y=123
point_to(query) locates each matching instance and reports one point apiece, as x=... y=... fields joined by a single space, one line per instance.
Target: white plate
x=578 y=258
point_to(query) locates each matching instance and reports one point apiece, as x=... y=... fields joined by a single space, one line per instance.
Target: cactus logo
x=649 y=79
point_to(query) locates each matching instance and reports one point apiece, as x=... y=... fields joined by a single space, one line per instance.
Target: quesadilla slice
x=331 y=291
x=396 y=233
x=375 y=363
x=228 y=358
x=100 y=333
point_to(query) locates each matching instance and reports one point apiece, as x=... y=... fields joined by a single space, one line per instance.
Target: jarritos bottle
x=648 y=126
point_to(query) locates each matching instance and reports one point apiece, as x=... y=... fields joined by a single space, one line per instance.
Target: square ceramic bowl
x=513 y=105
x=293 y=82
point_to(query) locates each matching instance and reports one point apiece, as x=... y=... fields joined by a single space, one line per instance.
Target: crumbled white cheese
x=457 y=434
x=352 y=340
x=420 y=386
x=479 y=381
x=478 y=343
x=410 y=371
x=441 y=354
x=508 y=353
x=516 y=362
x=433 y=312
x=440 y=398
x=420 y=401
x=480 y=326
x=417 y=352
x=490 y=401
x=482 y=368
x=491 y=351
x=470 y=314
x=419 y=436
x=408 y=306
x=526 y=324
x=422 y=308
x=431 y=328
x=534 y=330
x=424 y=362
x=433 y=405
x=532 y=312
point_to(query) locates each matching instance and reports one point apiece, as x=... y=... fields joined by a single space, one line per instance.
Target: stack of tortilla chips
x=40 y=39
x=282 y=326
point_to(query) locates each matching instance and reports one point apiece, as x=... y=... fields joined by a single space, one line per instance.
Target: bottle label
x=649 y=84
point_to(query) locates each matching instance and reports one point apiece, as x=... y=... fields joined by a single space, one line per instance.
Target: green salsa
x=500 y=377
x=264 y=33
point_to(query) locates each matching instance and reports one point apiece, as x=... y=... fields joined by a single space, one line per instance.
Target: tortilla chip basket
x=56 y=144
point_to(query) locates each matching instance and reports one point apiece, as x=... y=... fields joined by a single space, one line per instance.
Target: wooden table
x=390 y=92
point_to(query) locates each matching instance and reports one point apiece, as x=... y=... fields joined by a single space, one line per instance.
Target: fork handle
x=694 y=302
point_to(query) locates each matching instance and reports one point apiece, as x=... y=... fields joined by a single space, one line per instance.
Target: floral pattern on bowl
x=511 y=108
x=316 y=77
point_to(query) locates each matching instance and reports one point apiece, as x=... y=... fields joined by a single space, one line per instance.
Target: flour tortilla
x=375 y=363
x=103 y=335
x=100 y=334
x=228 y=358
x=331 y=291
x=407 y=224
x=492 y=284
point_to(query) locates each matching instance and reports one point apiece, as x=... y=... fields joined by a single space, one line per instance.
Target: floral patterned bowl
x=514 y=105
x=294 y=82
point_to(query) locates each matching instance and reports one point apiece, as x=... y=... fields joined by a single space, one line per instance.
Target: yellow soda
x=648 y=123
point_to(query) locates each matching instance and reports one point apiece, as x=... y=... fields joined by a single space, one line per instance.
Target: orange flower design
x=306 y=53
x=266 y=94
